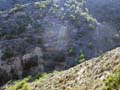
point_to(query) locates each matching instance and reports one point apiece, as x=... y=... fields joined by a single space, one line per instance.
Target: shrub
x=92 y=27
x=72 y=51
x=18 y=6
x=81 y=57
x=25 y=87
x=112 y=82
x=72 y=17
x=19 y=85
x=42 y=6
x=88 y=17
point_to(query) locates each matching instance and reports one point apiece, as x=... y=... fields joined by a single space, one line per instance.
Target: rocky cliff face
x=50 y=35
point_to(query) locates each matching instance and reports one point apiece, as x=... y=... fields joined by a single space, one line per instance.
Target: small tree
x=81 y=57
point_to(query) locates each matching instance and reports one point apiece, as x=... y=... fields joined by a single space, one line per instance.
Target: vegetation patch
x=72 y=51
x=88 y=17
x=81 y=58
x=19 y=85
x=112 y=82
x=92 y=27
x=42 y=6
x=24 y=84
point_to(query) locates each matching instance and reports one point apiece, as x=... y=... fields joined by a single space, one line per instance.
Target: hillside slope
x=86 y=76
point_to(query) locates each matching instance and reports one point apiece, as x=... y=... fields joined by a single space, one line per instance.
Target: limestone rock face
x=50 y=35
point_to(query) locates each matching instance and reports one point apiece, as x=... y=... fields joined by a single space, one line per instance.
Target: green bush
x=42 y=6
x=81 y=58
x=92 y=27
x=19 y=85
x=112 y=82
x=72 y=51
x=25 y=87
